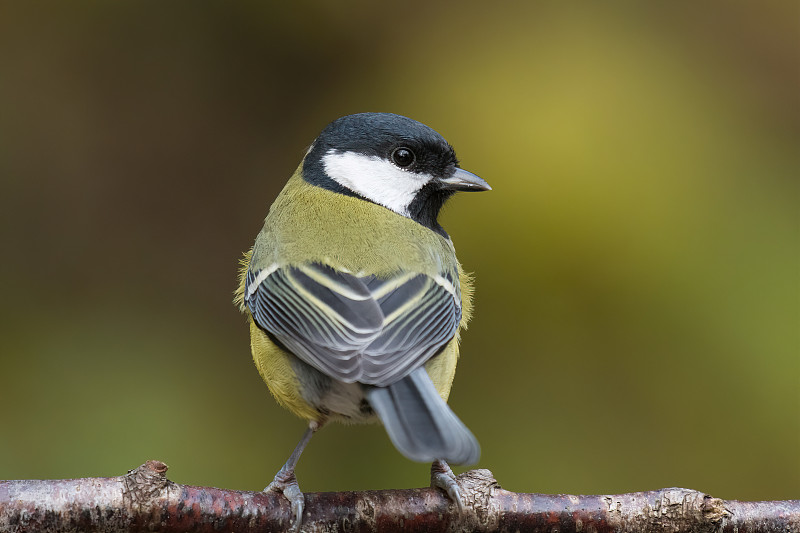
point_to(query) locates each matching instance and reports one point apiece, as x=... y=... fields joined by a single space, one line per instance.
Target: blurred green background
x=637 y=263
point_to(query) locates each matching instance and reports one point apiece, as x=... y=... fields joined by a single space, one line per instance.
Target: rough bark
x=145 y=500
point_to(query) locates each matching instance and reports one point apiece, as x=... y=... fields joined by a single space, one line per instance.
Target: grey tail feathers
x=420 y=424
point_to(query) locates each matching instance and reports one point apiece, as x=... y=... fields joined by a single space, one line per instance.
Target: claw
x=442 y=477
x=286 y=483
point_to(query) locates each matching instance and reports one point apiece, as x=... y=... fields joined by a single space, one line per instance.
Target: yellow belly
x=274 y=365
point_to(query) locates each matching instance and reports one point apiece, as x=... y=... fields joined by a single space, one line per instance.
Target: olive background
x=638 y=291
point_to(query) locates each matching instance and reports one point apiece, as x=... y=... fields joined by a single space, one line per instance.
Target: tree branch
x=145 y=500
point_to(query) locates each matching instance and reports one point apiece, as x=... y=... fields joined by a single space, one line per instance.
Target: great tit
x=355 y=297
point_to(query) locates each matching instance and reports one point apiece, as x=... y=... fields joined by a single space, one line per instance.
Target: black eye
x=403 y=157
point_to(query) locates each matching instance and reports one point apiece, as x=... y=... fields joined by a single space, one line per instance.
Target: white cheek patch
x=375 y=178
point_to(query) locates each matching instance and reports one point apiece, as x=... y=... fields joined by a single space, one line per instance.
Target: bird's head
x=389 y=160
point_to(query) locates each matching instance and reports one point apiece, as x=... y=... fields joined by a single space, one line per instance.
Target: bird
x=355 y=298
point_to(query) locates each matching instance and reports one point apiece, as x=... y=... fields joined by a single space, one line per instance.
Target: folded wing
x=355 y=328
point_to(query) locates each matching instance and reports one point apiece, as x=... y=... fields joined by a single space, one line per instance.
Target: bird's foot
x=285 y=482
x=442 y=477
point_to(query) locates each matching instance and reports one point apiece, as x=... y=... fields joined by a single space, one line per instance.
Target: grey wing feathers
x=364 y=329
x=323 y=316
x=422 y=315
x=420 y=424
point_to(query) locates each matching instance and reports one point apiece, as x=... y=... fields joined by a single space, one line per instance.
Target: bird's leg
x=442 y=477
x=285 y=481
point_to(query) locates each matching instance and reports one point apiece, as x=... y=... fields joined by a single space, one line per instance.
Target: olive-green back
x=308 y=223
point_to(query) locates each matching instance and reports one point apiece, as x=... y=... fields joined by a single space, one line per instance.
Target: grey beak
x=461 y=180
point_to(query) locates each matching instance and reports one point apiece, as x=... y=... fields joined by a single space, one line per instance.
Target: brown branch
x=145 y=500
